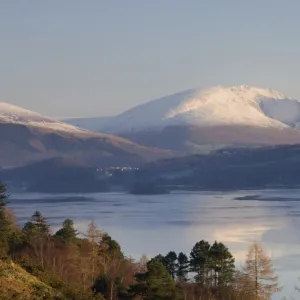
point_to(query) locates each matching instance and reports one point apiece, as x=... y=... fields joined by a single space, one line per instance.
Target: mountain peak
x=225 y=105
x=206 y=107
x=212 y=106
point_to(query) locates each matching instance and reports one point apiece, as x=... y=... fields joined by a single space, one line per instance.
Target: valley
x=149 y=150
x=220 y=138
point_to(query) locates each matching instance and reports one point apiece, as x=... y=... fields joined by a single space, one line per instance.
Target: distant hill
x=27 y=136
x=202 y=120
x=55 y=175
x=227 y=169
x=234 y=168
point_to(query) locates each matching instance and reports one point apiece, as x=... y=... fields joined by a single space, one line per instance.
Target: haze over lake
x=158 y=224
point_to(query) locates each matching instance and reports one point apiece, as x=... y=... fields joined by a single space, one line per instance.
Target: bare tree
x=258 y=280
x=144 y=260
x=94 y=236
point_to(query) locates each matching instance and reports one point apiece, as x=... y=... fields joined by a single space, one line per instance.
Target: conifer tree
x=37 y=225
x=199 y=261
x=182 y=267
x=222 y=264
x=170 y=262
x=5 y=224
x=37 y=235
x=67 y=233
x=155 y=284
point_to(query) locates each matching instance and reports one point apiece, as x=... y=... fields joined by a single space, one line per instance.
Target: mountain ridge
x=10 y=113
x=205 y=107
x=244 y=115
x=27 y=136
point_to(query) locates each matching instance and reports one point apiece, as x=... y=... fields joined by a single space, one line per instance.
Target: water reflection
x=158 y=224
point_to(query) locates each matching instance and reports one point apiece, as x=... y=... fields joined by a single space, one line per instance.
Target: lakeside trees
x=67 y=233
x=258 y=277
x=92 y=265
x=5 y=224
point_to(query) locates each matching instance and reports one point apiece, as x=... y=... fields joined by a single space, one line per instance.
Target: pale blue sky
x=96 y=57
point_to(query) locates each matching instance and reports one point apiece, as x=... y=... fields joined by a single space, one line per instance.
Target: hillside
x=27 y=136
x=12 y=114
x=230 y=168
x=55 y=175
x=206 y=119
x=234 y=168
x=16 y=283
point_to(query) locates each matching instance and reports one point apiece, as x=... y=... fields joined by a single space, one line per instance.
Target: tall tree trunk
x=256 y=276
x=111 y=296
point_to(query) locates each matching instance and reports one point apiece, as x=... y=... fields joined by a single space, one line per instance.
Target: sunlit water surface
x=157 y=224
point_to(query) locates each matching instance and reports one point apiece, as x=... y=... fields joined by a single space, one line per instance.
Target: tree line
x=92 y=265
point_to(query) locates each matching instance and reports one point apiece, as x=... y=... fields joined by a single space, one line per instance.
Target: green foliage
x=155 y=284
x=3 y=197
x=64 y=266
x=16 y=283
x=37 y=226
x=5 y=224
x=111 y=246
x=182 y=267
x=199 y=261
x=67 y=233
x=222 y=264
x=79 y=294
x=170 y=262
x=213 y=265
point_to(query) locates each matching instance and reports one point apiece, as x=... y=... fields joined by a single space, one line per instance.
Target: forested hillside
x=231 y=168
x=37 y=263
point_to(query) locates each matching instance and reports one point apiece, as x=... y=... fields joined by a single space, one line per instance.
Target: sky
x=77 y=58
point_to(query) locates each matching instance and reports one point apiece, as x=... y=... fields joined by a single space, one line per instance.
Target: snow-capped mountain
x=13 y=114
x=27 y=136
x=217 y=114
x=214 y=106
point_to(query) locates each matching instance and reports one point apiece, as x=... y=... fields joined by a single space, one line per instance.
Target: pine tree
x=182 y=267
x=67 y=233
x=5 y=224
x=155 y=284
x=258 y=277
x=37 y=225
x=222 y=264
x=199 y=261
x=170 y=262
x=37 y=235
x=3 y=197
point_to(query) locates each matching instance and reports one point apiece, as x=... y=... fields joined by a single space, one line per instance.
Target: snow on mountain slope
x=214 y=106
x=27 y=136
x=286 y=111
x=13 y=114
x=218 y=106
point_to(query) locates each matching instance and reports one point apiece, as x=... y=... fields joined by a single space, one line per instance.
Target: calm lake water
x=157 y=224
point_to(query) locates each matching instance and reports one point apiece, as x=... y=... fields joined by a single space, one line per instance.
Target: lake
x=157 y=224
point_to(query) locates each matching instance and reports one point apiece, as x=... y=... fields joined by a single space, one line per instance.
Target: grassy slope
x=16 y=283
